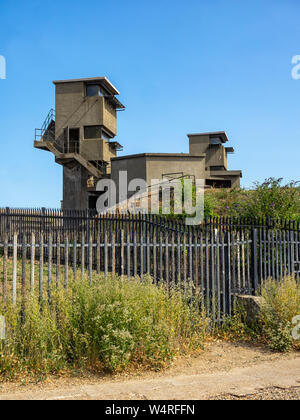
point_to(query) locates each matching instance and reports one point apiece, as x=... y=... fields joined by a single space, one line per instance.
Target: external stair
x=45 y=140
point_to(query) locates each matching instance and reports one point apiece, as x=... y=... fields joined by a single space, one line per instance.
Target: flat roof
x=170 y=155
x=212 y=134
x=102 y=80
x=225 y=173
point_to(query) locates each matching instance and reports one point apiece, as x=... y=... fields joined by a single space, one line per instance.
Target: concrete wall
x=199 y=144
x=109 y=116
x=157 y=166
x=136 y=168
x=235 y=182
x=95 y=149
x=233 y=176
x=149 y=167
x=216 y=156
x=75 y=110
x=75 y=194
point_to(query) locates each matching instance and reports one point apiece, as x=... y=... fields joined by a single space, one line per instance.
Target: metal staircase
x=65 y=155
x=47 y=132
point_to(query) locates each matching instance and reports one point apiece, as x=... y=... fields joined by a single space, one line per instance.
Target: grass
x=116 y=325
x=281 y=305
x=274 y=327
x=113 y=325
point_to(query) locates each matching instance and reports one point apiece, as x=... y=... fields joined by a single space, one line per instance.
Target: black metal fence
x=54 y=220
x=227 y=224
x=220 y=265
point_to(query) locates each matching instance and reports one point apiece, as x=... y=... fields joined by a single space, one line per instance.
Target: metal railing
x=211 y=267
x=47 y=132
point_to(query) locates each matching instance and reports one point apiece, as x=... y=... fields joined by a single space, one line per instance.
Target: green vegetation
x=281 y=304
x=270 y=199
x=111 y=326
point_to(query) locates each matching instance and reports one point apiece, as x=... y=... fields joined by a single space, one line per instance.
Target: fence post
x=122 y=254
x=15 y=268
x=87 y=224
x=145 y=236
x=43 y=219
x=32 y=261
x=292 y=247
x=206 y=224
x=5 y=260
x=227 y=291
x=254 y=263
x=41 y=274
x=50 y=255
x=7 y=223
x=90 y=259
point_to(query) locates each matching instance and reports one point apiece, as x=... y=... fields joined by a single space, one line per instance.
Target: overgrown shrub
x=109 y=326
x=281 y=305
x=271 y=199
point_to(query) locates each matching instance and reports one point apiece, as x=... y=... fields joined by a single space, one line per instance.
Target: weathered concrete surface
x=252 y=306
x=238 y=382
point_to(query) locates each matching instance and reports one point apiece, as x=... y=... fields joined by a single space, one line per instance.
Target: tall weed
x=109 y=326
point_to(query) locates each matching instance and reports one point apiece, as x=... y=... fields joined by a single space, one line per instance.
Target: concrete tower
x=80 y=133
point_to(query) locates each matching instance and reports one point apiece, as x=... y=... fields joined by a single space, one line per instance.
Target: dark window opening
x=92 y=132
x=217 y=168
x=74 y=134
x=215 y=141
x=73 y=143
x=93 y=202
x=96 y=90
x=92 y=90
x=218 y=183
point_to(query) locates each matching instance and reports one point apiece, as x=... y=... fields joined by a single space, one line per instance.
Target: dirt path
x=223 y=369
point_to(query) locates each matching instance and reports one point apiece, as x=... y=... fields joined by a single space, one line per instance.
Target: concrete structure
x=81 y=136
x=216 y=162
x=207 y=160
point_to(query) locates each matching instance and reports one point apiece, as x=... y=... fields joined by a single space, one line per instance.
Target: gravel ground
x=223 y=371
x=270 y=394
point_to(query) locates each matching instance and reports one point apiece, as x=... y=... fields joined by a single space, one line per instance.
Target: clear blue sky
x=181 y=67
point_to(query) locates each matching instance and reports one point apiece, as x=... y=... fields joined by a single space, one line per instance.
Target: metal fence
x=88 y=222
x=219 y=265
x=54 y=220
x=228 y=224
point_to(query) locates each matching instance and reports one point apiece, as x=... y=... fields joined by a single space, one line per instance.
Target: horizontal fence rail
x=228 y=224
x=220 y=265
x=54 y=220
x=89 y=221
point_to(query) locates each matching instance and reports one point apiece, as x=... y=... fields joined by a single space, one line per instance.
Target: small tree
x=273 y=199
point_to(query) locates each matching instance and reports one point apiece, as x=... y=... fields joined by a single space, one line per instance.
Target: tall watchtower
x=80 y=134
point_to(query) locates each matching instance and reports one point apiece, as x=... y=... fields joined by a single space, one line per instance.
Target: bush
x=275 y=200
x=109 y=326
x=270 y=199
x=282 y=304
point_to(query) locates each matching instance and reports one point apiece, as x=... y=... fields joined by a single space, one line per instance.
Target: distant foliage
x=271 y=199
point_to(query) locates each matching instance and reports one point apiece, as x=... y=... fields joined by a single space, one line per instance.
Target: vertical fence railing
x=46 y=220
x=45 y=248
